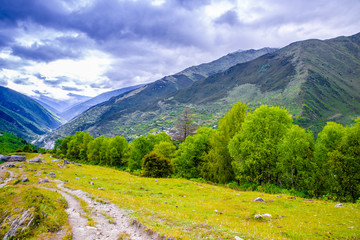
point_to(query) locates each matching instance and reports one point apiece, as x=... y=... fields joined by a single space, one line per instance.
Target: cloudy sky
x=86 y=47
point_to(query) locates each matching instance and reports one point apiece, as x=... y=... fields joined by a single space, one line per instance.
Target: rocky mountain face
x=23 y=116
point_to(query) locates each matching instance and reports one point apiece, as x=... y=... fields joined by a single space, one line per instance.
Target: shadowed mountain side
x=23 y=116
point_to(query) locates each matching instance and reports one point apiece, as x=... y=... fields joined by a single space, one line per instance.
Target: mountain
x=81 y=107
x=125 y=104
x=58 y=106
x=23 y=116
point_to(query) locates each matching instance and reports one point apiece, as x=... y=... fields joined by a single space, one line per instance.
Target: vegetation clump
x=156 y=166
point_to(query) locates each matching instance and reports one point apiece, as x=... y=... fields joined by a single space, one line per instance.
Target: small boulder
x=43 y=181
x=25 y=179
x=259 y=199
x=4 y=158
x=339 y=205
x=257 y=216
x=100 y=188
x=91 y=183
x=266 y=215
x=77 y=178
x=35 y=160
x=55 y=160
x=52 y=174
x=17 y=158
x=10 y=165
x=66 y=162
x=78 y=164
x=238 y=238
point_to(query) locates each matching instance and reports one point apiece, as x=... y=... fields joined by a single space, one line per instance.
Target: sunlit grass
x=188 y=210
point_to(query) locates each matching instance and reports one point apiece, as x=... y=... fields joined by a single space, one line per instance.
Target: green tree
x=255 y=147
x=155 y=165
x=190 y=155
x=329 y=139
x=97 y=151
x=144 y=145
x=77 y=146
x=165 y=149
x=117 y=151
x=296 y=160
x=339 y=151
x=218 y=162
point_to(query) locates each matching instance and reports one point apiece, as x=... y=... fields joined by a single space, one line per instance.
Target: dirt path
x=111 y=221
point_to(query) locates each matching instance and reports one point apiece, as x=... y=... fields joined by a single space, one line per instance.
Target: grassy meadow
x=185 y=209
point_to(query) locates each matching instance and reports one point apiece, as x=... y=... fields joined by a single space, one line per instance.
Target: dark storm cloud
x=71 y=89
x=45 y=53
x=22 y=81
x=230 y=17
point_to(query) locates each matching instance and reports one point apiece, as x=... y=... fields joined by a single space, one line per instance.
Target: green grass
x=47 y=209
x=189 y=210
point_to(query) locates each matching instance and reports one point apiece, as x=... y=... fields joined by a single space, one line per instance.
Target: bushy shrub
x=155 y=165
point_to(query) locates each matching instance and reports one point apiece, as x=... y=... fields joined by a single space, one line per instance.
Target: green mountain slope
x=136 y=99
x=24 y=117
x=316 y=81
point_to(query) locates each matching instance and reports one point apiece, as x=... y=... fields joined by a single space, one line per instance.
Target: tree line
x=258 y=149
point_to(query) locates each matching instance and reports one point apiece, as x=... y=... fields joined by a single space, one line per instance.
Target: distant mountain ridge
x=23 y=116
x=144 y=95
x=81 y=107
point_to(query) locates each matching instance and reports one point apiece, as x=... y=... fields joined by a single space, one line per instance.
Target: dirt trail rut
x=106 y=228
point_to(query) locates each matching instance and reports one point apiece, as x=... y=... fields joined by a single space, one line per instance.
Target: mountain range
x=132 y=101
x=316 y=81
x=23 y=116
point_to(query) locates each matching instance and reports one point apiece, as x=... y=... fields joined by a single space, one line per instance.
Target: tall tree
x=254 y=148
x=190 y=155
x=218 y=162
x=185 y=127
x=296 y=161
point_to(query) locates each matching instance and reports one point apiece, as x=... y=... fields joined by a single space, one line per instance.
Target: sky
x=64 y=48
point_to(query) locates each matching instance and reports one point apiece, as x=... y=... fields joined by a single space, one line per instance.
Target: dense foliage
x=262 y=149
x=10 y=143
x=155 y=165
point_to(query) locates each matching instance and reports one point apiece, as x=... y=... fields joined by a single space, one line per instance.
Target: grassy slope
x=186 y=210
x=47 y=207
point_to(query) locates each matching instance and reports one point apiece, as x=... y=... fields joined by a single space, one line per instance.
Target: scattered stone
x=4 y=158
x=91 y=183
x=350 y=227
x=292 y=198
x=238 y=238
x=100 y=188
x=257 y=216
x=66 y=161
x=37 y=175
x=25 y=179
x=52 y=174
x=24 y=221
x=55 y=160
x=156 y=180
x=35 y=160
x=43 y=181
x=77 y=178
x=266 y=215
x=339 y=205
x=259 y=199
x=279 y=196
x=10 y=165
x=78 y=164
x=17 y=158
